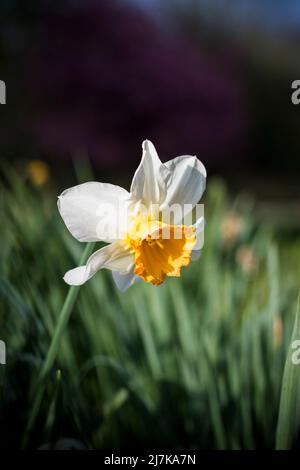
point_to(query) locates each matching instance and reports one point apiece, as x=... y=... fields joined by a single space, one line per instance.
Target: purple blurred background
x=110 y=78
x=95 y=78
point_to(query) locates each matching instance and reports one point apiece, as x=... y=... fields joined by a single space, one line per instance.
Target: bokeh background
x=197 y=362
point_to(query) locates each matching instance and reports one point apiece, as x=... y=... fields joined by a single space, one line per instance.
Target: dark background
x=94 y=78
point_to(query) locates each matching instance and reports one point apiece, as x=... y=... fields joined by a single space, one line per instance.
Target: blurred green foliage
x=194 y=363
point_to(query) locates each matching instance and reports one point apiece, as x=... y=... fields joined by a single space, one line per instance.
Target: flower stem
x=62 y=322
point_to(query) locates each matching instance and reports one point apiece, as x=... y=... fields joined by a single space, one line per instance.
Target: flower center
x=160 y=249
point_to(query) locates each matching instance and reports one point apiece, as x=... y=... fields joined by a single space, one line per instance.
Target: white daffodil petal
x=199 y=226
x=197 y=250
x=95 y=211
x=149 y=181
x=76 y=276
x=185 y=185
x=114 y=257
x=195 y=255
x=123 y=281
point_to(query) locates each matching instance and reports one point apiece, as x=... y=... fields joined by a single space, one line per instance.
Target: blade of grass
x=63 y=319
x=289 y=408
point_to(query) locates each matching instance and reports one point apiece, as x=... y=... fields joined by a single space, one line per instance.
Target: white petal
x=149 y=181
x=114 y=257
x=185 y=185
x=123 y=281
x=76 y=276
x=195 y=255
x=199 y=226
x=95 y=211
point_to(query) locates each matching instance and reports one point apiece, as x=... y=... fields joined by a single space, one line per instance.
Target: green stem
x=63 y=320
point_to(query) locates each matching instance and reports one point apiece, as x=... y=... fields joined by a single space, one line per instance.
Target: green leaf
x=289 y=409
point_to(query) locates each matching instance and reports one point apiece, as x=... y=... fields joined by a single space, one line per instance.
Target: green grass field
x=194 y=363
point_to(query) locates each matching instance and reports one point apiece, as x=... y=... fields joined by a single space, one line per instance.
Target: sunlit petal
x=95 y=211
x=199 y=227
x=150 y=179
x=185 y=185
x=123 y=281
x=115 y=257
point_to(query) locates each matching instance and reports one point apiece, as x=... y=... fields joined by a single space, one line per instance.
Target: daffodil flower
x=143 y=228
